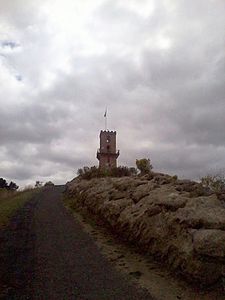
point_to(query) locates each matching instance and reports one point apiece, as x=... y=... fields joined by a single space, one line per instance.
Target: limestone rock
x=176 y=221
x=210 y=242
x=204 y=212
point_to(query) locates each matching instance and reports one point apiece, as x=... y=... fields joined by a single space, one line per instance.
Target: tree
x=144 y=165
x=38 y=184
x=3 y=183
x=12 y=186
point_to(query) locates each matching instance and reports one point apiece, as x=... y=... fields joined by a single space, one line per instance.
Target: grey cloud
x=18 y=173
x=32 y=123
x=9 y=44
x=20 y=14
x=166 y=104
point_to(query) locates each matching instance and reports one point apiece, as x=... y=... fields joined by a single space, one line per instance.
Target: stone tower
x=107 y=154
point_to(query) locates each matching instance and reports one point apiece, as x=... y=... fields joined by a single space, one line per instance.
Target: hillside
x=12 y=201
x=177 y=221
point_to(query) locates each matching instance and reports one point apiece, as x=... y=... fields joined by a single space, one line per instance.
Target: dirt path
x=64 y=261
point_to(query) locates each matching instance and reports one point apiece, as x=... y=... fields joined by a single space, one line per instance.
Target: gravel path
x=63 y=260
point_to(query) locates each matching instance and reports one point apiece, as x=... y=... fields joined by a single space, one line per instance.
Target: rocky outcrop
x=177 y=221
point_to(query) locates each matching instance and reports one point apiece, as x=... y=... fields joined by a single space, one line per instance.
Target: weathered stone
x=221 y=197
x=204 y=212
x=210 y=242
x=193 y=188
x=117 y=195
x=162 y=179
x=205 y=218
x=172 y=203
x=140 y=192
x=187 y=233
x=153 y=210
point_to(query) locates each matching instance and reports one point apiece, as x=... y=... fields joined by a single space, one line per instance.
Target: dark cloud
x=9 y=44
x=157 y=65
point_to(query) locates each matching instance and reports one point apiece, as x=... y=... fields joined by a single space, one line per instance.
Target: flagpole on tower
x=105 y=116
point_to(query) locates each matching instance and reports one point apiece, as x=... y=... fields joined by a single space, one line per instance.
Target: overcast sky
x=159 y=66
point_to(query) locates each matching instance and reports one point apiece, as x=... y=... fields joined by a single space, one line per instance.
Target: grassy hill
x=11 y=201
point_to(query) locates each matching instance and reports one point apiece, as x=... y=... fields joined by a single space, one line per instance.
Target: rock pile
x=177 y=221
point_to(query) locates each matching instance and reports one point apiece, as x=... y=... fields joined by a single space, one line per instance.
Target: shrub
x=144 y=165
x=95 y=172
x=49 y=183
x=133 y=171
x=120 y=171
x=80 y=172
x=38 y=184
x=174 y=177
x=215 y=183
x=88 y=173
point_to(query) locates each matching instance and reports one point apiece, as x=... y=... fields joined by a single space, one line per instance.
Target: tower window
x=108 y=139
x=108 y=148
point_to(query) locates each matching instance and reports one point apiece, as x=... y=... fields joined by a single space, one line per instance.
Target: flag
x=105 y=113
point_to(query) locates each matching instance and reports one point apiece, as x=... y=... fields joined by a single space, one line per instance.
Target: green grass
x=10 y=202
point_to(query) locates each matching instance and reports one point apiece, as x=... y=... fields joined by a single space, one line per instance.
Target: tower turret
x=107 y=154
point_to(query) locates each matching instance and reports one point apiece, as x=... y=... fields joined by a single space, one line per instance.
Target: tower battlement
x=107 y=131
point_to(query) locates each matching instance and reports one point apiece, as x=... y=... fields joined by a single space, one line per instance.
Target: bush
x=133 y=171
x=38 y=184
x=95 y=172
x=80 y=172
x=144 y=166
x=49 y=183
x=215 y=183
x=88 y=173
x=121 y=171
